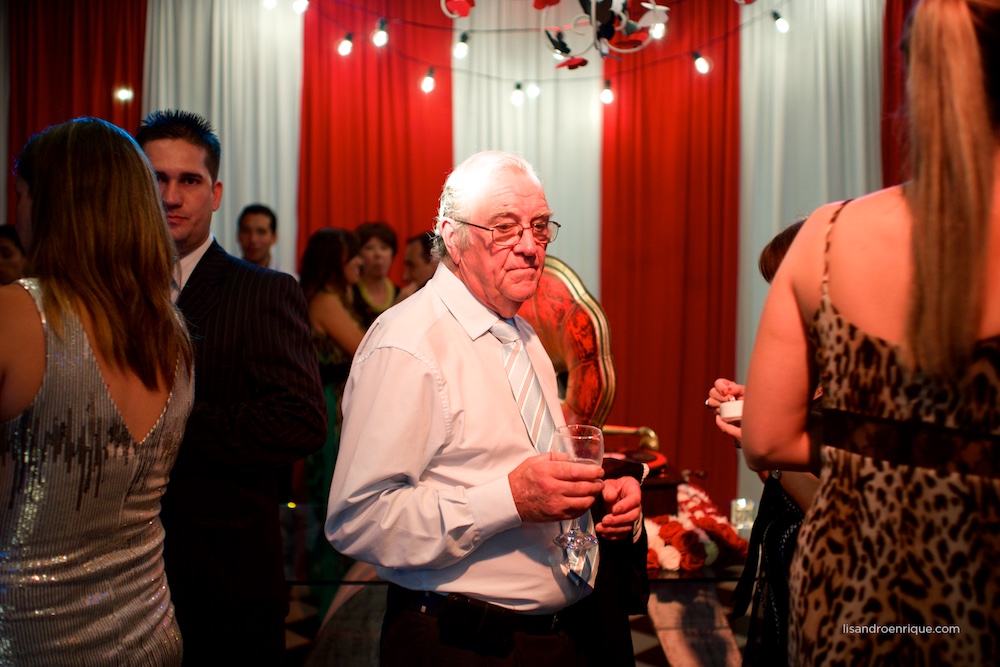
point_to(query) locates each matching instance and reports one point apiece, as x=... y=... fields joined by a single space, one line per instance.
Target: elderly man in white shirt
x=438 y=480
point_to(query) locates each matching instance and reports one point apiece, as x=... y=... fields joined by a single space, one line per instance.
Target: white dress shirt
x=185 y=267
x=431 y=430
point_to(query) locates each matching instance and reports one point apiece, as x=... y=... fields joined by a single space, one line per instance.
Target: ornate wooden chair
x=573 y=328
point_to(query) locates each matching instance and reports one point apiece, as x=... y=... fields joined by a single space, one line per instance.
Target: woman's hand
x=725 y=390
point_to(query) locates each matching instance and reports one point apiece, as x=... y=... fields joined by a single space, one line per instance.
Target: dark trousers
x=416 y=639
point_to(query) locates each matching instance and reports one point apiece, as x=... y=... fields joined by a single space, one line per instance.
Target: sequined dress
x=81 y=568
x=896 y=562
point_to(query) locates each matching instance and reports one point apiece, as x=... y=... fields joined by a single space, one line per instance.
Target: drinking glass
x=583 y=444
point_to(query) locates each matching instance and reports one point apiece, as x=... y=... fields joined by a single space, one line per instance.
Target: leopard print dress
x=902 y=544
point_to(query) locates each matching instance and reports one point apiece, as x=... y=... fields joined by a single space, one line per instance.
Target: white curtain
x=240 y=66
x=810 y=108
x=559 y=132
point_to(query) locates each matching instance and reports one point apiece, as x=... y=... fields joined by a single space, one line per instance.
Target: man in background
x=419 y=264
x=258 y=406
x=258 y=232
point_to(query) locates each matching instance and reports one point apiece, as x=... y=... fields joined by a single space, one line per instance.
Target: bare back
x=22 y=367
x=871 y=266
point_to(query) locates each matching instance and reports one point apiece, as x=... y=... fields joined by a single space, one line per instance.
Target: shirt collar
x=469 y=311
x=186 y=265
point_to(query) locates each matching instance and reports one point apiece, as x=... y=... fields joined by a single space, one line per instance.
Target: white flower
x=670 y=558
x=653 y=535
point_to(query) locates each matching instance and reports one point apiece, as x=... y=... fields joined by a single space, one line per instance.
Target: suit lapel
x=204 y=288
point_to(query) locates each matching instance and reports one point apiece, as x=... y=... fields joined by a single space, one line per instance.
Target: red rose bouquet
x=698 y=535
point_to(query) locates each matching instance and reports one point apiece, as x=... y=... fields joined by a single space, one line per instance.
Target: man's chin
x=521 y=292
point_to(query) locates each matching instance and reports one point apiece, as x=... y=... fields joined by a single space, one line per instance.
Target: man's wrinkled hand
x=549 y=487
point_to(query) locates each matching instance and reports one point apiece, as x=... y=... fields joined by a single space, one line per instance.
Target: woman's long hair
x=323 y=261
x=100 y=242
x=952 y=51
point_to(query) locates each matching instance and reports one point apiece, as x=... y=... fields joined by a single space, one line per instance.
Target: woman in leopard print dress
x=892 y=303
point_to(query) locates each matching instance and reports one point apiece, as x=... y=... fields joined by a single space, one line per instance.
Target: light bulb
x=427 y=85
x=658 y=30
x=461 y=48
x=606 y=95
x=346 y=44
x=300 y=6
x=558 y=56
x=533 y=90
x=380 y=38
x=270 y=4
x=517 y=97
x=124 y=94
x=701 y=64
x=779 y=22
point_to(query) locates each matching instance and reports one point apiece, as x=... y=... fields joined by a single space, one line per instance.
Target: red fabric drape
x=894 y=140
x=67 y=59
x=669 y=253
x=374 y=146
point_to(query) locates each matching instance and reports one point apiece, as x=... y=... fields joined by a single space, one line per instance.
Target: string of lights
x=615 y=35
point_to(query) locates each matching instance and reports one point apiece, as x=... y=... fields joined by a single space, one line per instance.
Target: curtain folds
x=67 y=60
x=810 y=111
x=374 y=145
x=894 y=140
x=669 y=242
x=239 y=65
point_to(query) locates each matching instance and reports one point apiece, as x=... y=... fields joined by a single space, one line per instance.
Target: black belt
x=471 y=612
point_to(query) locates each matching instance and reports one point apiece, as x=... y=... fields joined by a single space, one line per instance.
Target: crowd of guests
x=154 y=389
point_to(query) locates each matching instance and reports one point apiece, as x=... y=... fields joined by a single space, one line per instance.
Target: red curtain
x=67 y=59
x=894 y=140
x=374 y=145
x=669 y=254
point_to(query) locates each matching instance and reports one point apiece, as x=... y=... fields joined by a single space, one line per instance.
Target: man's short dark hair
x=258 y=209
x=426 y=241
x=192 y=128
x=379 y=230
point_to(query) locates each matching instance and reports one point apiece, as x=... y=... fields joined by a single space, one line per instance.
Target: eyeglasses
x=509 y=233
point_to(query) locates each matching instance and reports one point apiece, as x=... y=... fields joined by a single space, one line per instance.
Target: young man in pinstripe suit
x=258 y=406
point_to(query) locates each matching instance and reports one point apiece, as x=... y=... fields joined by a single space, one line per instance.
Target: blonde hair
x=100 y=242
x=953 y=106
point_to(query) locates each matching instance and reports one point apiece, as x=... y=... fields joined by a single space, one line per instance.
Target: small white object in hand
x=731 y=411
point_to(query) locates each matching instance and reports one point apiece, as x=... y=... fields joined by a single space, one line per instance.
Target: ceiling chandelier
x=608 y=26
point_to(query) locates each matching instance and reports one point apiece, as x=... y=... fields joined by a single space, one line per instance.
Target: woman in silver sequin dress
x=95 y=389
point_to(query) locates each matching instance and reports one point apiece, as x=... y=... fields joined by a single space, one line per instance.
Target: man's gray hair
x=465 y=186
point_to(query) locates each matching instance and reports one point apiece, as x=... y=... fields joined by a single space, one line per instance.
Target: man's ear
x=448 y=235
x=216 y=195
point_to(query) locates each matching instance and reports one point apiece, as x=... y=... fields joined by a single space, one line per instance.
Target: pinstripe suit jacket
x=258 y=406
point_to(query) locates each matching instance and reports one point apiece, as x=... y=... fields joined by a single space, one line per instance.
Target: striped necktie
x=525 y=386
x=581 y=568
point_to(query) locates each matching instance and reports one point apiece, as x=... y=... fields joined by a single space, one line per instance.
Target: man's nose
x=170 y=194
x=527 y=243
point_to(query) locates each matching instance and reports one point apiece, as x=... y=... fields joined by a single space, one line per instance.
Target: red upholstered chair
x=574 y=330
